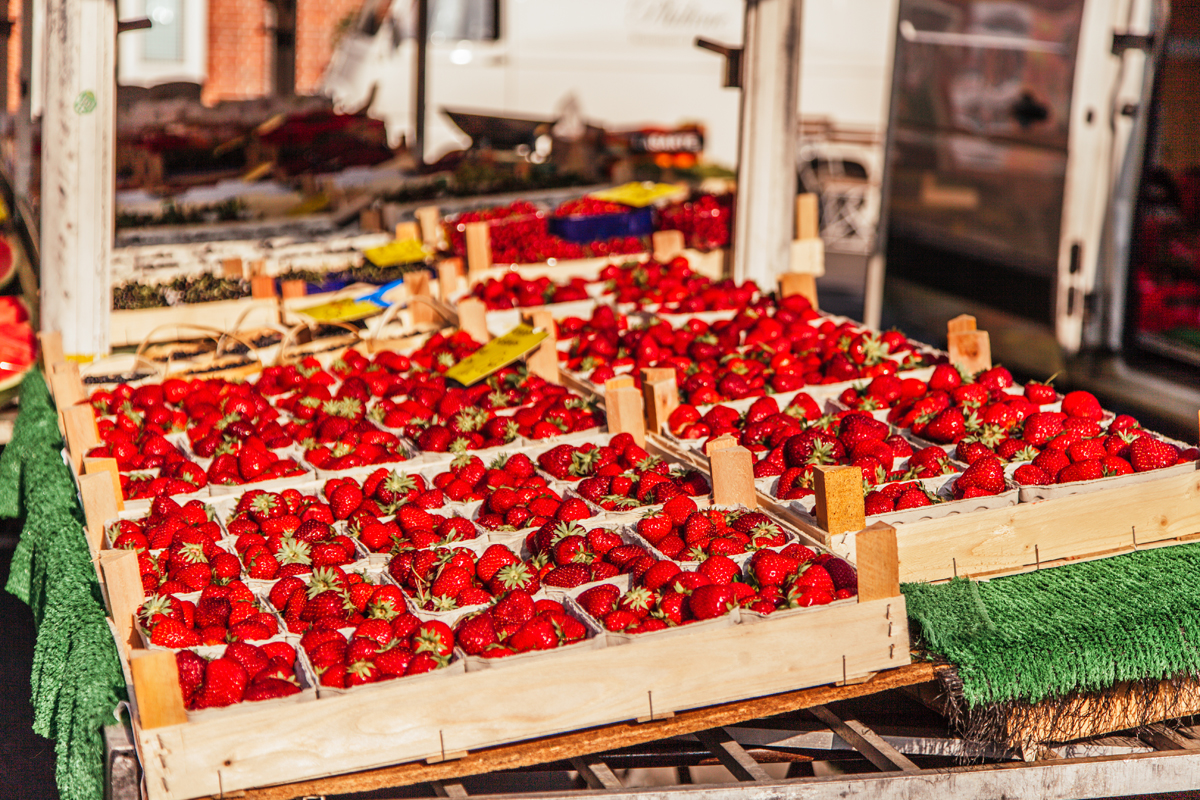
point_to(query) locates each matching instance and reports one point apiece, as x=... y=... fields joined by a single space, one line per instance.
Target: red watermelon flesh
x=12 y=310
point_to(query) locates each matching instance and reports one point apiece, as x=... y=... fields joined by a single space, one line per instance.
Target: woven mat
x=76 y=680
x=1079 y=628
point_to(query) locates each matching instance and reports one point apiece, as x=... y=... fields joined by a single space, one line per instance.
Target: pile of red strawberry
x=1083 y=450
x=531 y=507
x=627 y=491
x=286 y=534
x=566 y=554
x=645 y=283
x=518 y=623
x=704 y=220
x=330 y=598
x=449 y=578
x=380 y=648
x=242 y=673
x=798 y=578
x=222 y=613
x=665 y=595
x=567 y=462
x=899 y=496
x=681 y=531
x=763 y=426
x=513 y=291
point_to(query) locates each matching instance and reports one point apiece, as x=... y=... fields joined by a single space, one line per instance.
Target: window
x=164 y=40
x=449 y=20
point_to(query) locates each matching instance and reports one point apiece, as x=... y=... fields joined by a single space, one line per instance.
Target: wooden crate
x=1030 y=536
x=432 y=720
x=171 y=324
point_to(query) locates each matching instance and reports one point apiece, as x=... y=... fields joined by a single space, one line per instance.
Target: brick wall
x=239 y=65
x=237 y=50
x=316 y=23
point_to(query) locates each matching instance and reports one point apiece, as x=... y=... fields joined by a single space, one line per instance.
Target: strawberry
x=567 y=576
x=985 y=475
x=770 y=568
x=711 y=601
x=1031 y=475
x=224 y=684
x=1082 y=404
x=345 y=499
x=599 y=600
x=1147 y=453
x=536 y=634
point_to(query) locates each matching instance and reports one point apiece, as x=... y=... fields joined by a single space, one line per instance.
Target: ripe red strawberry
x=1147 y=453
x=1032 y=475
x=224 y=684
x=985 y=475
x=567 y=576
x=711 y=601
x=345 y=500
x=770 y=568
x=1082 y=404
x=813 y=576
x=912 y=498
x=599 y=600
x=1087 y=470
x=946 y=428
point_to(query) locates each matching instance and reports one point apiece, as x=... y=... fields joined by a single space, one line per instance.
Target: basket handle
x=290 y=336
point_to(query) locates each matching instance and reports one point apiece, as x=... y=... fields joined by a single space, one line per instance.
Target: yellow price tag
x=310 y=205
x=3 y=211
x=346 y=310
x=399 y=251
x=496 y=354
x=637 y=194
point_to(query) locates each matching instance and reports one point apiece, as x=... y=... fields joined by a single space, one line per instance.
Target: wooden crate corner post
x=806 y=260
x=666 y=245
x=52 y=350
x=878 y=563
x=661 y=397
x=292 y=289
x=543 y=360
x=156 y=689
x=91 y=466
x=420 y=299
x=430 y=220
x=262 y=287
x=80 y=432
x=123 y=583
x=407 y=230
x=472 y=319
x=101 y=502
x=623 y=407
x=970 y=348
x=450 y=273
x=839 y=497
x=479 y=250
x=66 y=384
x=233 y=268
x=732 y=470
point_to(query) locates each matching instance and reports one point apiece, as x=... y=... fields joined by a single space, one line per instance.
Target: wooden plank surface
x=1006 y=540
x=598 y=740
x=409 y=720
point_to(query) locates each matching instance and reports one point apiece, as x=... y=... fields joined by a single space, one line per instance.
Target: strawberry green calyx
x=295 y=551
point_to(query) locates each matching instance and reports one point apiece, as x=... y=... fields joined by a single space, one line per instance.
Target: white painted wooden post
x=78 y=179
x=767 y=147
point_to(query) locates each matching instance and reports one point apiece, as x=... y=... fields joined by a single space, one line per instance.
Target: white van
x=625 y=63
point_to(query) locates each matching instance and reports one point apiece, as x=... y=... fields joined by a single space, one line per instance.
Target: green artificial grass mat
x=1077 y=628
x=77 y=680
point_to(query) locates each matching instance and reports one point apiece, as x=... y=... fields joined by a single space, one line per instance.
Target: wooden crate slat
x=1020 y=537
x=403 y=721
x=596 y=740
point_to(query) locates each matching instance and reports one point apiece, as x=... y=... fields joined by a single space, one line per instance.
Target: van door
x=1008 y=135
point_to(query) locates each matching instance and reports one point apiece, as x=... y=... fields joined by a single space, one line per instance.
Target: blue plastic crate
x=585 y=228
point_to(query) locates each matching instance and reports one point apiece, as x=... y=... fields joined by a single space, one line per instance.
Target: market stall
x=679 y=469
